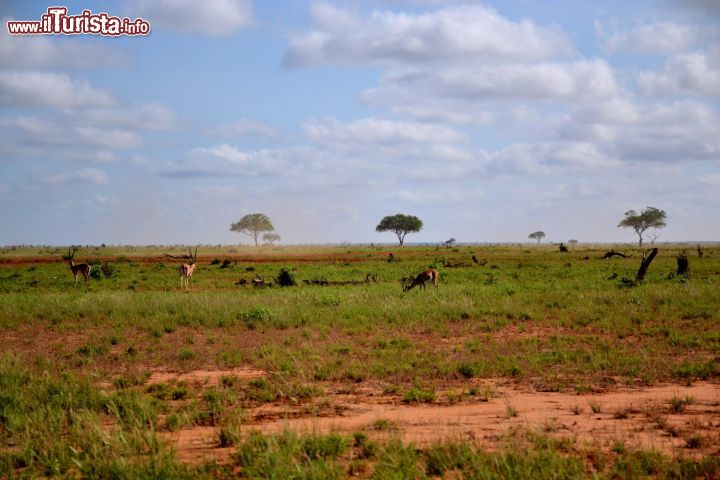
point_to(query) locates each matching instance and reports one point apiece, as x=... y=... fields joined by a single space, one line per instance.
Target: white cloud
x=210 y=17
x=379 y=131
x=108 y=138
x=660 y=38
x=435 y=112
x=87 y=175
x=33 y=125
x=546 y=157
x=674 y=132
x=691 y=73
x=709 y=7
x=41 y=52
x=57 y=90
x=474 y=34
x=228 y=161
x=424 y=196
x=73 y=133
x=226 y=152
x=575 y=82
x=152 y=116
x=245 y=127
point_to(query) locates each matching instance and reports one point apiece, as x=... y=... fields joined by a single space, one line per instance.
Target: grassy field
x=78 y=399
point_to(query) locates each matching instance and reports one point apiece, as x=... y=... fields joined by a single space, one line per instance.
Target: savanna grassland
x=525 y=363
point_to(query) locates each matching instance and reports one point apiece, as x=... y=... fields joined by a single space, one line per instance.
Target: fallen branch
x=369 y=278
x=613 y=253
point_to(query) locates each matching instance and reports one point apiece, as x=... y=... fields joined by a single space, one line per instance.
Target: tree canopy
x=253 y=224
x=400 y=225
x=271 y=237
x=539 y=235
x=651 y=217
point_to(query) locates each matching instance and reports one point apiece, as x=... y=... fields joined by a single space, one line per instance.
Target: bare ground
x=638 y=418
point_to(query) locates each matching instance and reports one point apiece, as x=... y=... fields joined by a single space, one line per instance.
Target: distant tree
x=449 y=242
x=271 y=237
x=572 y=242
x=400 y=225
x=651 y=217
x=654 y=235
x=253 y=224
x=539 y=235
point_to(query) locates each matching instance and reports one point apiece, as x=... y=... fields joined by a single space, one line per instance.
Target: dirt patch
x=638 y=418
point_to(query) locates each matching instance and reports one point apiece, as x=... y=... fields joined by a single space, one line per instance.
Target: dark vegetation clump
x=102 y=270
x=286 y=278
x=108 y=270
x=683 y=264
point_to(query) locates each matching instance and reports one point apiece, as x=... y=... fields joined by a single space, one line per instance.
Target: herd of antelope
x=188 y=267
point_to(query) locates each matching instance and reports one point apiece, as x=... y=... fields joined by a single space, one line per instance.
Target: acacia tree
x=539 y=235
x=651 y=217
x=253 y=224
x=271 y=237
x=400 y=225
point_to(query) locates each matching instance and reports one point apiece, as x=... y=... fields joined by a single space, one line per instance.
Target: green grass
x=533 y=315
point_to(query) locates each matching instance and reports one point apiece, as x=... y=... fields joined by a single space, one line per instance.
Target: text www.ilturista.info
x=57 y=22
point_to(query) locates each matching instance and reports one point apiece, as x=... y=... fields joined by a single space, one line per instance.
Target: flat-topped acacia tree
x=539 y=235
x=400 y=225
x=252 y=225
x=651 y=217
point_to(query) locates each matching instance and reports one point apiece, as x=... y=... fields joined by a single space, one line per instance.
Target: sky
x=488 y=120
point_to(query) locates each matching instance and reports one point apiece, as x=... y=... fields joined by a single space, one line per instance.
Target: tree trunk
x=640 y=239
x=645 y=264
x=255 y=235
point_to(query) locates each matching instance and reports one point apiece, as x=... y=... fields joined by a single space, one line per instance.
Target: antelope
x=77 y=268
x=430 y=274
x=186 y=269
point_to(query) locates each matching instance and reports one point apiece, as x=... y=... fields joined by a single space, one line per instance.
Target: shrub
x=286 y=278
x=255 y=316
x=418 y=395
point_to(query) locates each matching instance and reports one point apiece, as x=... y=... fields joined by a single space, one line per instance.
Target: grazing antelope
x=430 y=274
x=77 y=268
x=186 y=269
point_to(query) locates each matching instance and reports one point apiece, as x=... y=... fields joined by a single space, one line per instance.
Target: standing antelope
x=77 y=268
x=186 y=269
x=430 y=274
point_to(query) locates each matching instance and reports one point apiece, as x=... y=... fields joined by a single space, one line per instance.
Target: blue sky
x=488 y=120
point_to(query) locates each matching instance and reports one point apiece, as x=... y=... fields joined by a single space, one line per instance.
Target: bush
x=108 y=270
x=255 y=316
x=286 y=278
x=99 y=271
